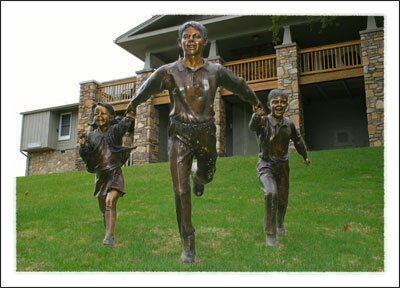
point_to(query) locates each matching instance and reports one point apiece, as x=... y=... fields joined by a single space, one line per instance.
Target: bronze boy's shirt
x=273 y=137
x=192 y=92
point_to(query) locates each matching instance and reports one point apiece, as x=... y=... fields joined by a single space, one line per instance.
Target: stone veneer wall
x=220 y=116
x=47 y=162
x=87 y=97
x=287 y=66
x=220 y=123
x=372 y=52
x=288 y=80
x=146 y=128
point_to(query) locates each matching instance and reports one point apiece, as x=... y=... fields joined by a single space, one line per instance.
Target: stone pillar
x=372 y=49
x=146 y=134
x=220 y=123
x=87 y=97
x=213 y=53
x=288 y=80
x=147 y=61
x=219 y=105
x=287 y=36
x=127 y=141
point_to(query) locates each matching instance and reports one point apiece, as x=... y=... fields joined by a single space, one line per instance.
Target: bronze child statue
x=103 y=154
x=274 y=131
x=192 y=83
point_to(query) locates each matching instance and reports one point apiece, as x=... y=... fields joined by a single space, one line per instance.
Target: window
x=64 y=130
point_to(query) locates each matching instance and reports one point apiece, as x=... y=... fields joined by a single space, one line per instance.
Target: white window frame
x=65 y=137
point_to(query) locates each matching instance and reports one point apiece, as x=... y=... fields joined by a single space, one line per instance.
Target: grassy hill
x=334 y=222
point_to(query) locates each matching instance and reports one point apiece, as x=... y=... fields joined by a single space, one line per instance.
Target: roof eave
x=56 y=108
x=141 y=26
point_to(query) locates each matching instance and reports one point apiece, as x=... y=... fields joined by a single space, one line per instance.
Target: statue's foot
x=108 y=240
x=188 y=251
x=187 y=257
x=271 y=240
x=280 y=231
x=198 y=189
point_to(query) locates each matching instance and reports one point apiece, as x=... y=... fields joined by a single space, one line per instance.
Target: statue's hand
x=130 y=114
x=130 y=110
x=258 y=109
x=82 y=139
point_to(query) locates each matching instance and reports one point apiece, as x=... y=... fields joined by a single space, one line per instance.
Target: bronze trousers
x=185 y=144
x=274 y=180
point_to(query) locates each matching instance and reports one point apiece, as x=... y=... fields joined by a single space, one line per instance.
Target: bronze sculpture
x=192 y=83
x=274 y=131
x=103 y=154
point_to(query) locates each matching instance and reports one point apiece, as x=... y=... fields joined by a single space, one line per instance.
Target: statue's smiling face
x=278 y=106
x=192 y=42
x=101 y=116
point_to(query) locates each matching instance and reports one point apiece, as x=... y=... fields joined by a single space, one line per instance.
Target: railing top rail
x=118 y=82
x=271 y=56
x=337 y=45
x=342 y=68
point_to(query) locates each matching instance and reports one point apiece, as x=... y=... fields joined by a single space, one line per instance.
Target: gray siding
x=35 y=131
x=40 y=131
x=53 y=129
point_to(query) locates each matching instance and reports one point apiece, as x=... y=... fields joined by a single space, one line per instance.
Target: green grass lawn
x=334 y=222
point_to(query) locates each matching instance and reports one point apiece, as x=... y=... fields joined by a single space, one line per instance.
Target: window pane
x=64 y=130
x=65 y=124
x=65 y=119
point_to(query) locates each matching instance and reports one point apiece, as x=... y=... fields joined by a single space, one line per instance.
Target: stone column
x=88 y=94
x=372 y=49
x=220 y=123
x=219 y=105
x=287 y=65
x=145 y=136
x=127 y=141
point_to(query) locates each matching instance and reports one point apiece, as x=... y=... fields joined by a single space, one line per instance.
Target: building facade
x=334 y=76
x=49 y=138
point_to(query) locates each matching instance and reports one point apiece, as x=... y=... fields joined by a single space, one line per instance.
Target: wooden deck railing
x=118 y=90
x=330 y=57
x=326 y=58
x=255 y=69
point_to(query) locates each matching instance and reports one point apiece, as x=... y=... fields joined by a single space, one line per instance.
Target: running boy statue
x=192 y=83
x=274 y=131
x=103 y=154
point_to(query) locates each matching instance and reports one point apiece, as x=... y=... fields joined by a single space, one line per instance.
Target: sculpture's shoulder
x=91 y=134
x=164 y=72
x=287 y=121
x=264 y=120
x=172 y=64
x=163 y=69
x=215 y=67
